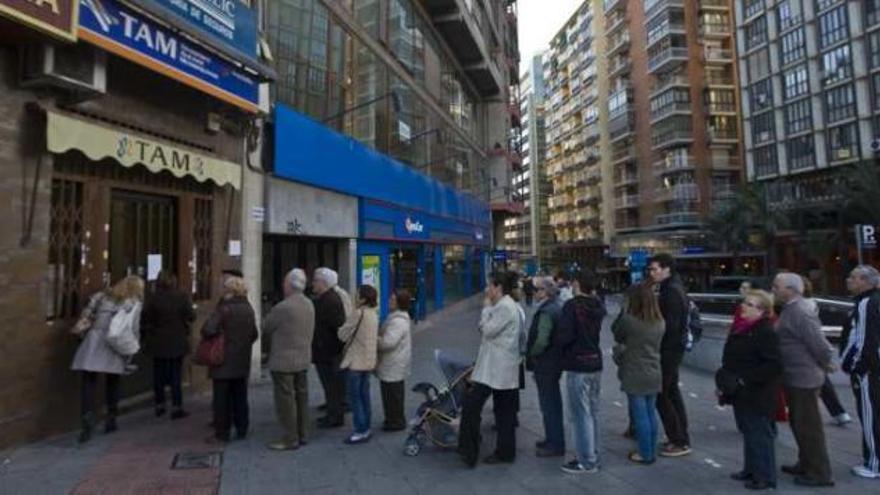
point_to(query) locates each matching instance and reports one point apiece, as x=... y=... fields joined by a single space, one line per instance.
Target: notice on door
x=154 y=266
x=371 y=273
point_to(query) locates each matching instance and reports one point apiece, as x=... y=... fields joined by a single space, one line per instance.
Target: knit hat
x=297 y=279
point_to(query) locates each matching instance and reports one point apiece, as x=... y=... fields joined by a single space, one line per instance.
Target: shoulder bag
x=211 y=351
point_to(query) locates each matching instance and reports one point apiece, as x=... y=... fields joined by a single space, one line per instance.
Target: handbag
x=211 y=351
x=353 y=335
x=123 y=335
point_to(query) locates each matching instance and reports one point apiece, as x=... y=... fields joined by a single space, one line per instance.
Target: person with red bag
x=233 y=321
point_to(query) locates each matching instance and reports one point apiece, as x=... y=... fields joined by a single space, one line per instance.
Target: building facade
x=394 y=120
x=810 y=82
x=673 y=123
x=126 y=134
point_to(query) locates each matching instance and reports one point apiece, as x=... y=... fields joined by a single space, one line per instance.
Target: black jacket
x=165 y=323
x=861 y=356
x=329 y=316
x=235 y=319
x=674 y=307
x=547 y=361
x=753 y=360
x=577 y=334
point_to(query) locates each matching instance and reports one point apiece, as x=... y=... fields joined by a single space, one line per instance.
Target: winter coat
x=637 y=354
x=289 y=328
x=543 y=353
x=498 y=359
x=235 y=319
x=674 y=307
x=861 y=337
x=329 y=316
x=360 y=333
x=806 y=355
x=165 y=323
x=753 y=359
x=345 y=298
x=577 y=335
x=395 y=348
x=94 y=353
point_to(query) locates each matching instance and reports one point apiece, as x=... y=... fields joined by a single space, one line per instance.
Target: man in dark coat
x=543 y=358
x=165 y=327
x=327 y=348
x=674 y=306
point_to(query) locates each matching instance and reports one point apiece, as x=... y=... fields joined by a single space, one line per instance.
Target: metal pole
x=858 y=232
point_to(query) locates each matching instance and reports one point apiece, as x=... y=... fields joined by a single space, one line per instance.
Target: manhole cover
x=197 y=460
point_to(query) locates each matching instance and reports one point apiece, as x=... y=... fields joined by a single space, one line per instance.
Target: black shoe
x=327 y=423
x=804 y=481
x=759 y=485
x=110 y=425
x=468 y=460
x=545 y=452
x=741 y=476
x=540 y=444
x=179 y=414
x=160 y=411
x=88 y=426
x=390 y=427
x=494 y=459
x=240 y=435
x=793 y=469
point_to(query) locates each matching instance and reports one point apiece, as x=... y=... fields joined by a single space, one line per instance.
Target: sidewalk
x=136 y=460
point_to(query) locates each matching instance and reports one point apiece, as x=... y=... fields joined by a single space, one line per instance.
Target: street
x=138 y=458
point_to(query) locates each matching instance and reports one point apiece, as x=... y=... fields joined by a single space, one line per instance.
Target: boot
x=88 y=425
x=110 y=424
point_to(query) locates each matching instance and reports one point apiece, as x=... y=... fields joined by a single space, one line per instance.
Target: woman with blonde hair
x=638 y=333
x=95 y=356
x=749 y=379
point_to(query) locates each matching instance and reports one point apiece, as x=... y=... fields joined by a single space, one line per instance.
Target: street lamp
x=396 y=103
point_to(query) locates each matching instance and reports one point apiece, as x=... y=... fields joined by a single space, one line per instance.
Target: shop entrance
x=283 y=253
x=406 y=274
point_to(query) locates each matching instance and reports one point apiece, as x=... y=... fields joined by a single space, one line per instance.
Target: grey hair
x=297 y=279
x=792 y=281
x=549 y=286
x=869 y=273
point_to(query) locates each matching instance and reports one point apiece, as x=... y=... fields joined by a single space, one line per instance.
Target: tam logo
x=413 y=227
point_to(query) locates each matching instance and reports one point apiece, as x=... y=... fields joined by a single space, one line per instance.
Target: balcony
x=714 y=5
x=675 y=166
x=715 y=30
x=726 y=164
x=464 y=32
x=720 y=108
x=615 y=22
x=723 y=136
x=675 y=28
x=619 y=67
x=687 y=192
x=626 y=178
x=678 y=219
x=654 y=7
x=668 y=59
x=670 y=110
x=612 y=6
x=718 y=55
x=670 y=82
x=721 y=81
x=621 y=126
x=626 y=223
x=670 y=138
x=627 y=201
x=619 y=43
x=623 y=155
x=515 y=115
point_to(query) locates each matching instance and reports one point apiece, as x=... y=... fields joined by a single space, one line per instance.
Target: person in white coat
x=496 y=375
x=395 y=356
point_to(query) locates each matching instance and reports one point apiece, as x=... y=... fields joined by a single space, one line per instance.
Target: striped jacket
x=862 y=352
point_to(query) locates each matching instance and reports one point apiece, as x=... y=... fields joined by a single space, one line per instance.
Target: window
x=801 y=153
x=759 y=64
x=836 y=65
x=787 y=14
x=824 y=4
x=874 y=48
x=795 y=82
x=762 y=128
x=752 y=7
x=756 y=32
x=793 y=46
x=766 y=161
x=872 y=12
x=833 y=26
x=761 y=95
x=720 y=100
x=669 y=100
x=840 y=103
x=843 y=142
x=798 y=117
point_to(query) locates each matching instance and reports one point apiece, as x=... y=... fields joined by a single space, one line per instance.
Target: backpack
x=123 y=336
x=693 y=326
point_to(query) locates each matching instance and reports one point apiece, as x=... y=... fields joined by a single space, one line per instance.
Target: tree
x=860 y=189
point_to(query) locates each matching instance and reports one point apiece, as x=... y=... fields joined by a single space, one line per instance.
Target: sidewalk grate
x=197 y=460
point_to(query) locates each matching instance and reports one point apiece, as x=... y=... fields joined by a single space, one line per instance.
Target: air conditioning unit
x=78 y=68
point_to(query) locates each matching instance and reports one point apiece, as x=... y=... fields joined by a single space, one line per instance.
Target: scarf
x=741 y=325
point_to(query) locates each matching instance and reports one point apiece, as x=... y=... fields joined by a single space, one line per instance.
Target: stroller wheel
x=412 y=446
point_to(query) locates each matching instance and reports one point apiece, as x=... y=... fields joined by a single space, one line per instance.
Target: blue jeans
x=550 y=399
x=643 y=412
x=583 y=401
x=759 y=437
x=359 y=399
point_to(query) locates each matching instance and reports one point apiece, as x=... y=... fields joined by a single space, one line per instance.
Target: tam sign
x=230 y=22
x=54 y=17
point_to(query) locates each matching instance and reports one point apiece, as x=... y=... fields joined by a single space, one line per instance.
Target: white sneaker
x=842 y=419
x=863 y=472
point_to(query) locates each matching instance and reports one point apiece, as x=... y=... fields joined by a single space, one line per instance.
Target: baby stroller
x=438 y=417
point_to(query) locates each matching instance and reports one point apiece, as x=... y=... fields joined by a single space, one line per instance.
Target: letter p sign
x=869 y=236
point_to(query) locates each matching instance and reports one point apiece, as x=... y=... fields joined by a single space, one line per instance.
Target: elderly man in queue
x=806 y=357
x=861 y=359
x=289 y=327
x=326 y=347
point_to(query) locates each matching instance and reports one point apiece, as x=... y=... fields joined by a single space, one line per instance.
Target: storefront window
x=430 y=292
x=454 y=273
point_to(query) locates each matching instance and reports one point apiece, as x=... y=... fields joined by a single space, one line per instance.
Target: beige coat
x=360 y=354
x=498 y=360
x=395 y=348
x=290 y=326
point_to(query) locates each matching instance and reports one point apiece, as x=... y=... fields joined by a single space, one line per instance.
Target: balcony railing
x=678 y=192
x=670 y=110
x=618 y=67
x=612 y=5
x=626 y=178
x=714 y=4
x=666 y=167
x=618 y=43
x=716 y=135
x=721 y=55
x=654 y=7
x=726 y=163
x=672 y=137
x=720 y=80
x=623 y=155
x=677 y=218
x=668 y=57
x=669 y=82
x=627 y=201
x=612 y=23
x=715 y=29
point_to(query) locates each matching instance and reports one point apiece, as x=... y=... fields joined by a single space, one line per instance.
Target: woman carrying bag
x=360 y=334
x=95 y=355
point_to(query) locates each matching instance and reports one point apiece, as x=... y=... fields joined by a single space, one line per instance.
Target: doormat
x=197 y=460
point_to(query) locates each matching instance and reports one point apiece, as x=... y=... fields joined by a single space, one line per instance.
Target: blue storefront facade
x=414 y=232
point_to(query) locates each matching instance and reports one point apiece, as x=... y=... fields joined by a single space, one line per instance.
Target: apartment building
x=673 y=122
x=810 y=76
x=576 y=127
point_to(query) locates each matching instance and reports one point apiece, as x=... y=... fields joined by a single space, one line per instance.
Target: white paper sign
x=235 y=248
x=154 y=266
x=258 y=213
